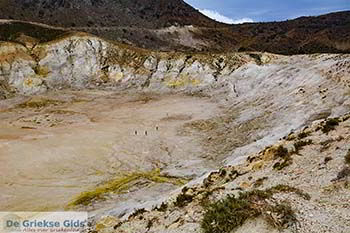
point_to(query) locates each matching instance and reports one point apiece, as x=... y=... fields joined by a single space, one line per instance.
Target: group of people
x=146 y=132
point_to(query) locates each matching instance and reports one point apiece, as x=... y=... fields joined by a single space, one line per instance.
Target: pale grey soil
x=50 y=155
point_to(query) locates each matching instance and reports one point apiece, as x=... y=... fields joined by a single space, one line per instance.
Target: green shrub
x=330 y=125
x=284 y=210
x=347 y=157
x=282 y=153
x=344 y=173
x=226 y=215
x=259 y=182
x=137 y=213
x=300 y=144
x=162 y=208
x=280 y=165
x=183 y=199
x=303 y=135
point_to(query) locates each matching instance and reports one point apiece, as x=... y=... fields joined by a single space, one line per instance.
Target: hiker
x=146 y=132
x=135 y=132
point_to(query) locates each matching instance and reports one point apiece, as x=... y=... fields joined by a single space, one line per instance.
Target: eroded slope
x=310 y=193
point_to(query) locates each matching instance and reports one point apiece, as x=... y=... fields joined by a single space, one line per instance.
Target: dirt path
x=54 y=147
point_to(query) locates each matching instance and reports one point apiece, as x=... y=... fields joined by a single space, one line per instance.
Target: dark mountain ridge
x=101 y=13
x=173 y=25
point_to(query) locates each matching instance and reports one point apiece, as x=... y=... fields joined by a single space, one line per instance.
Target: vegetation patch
x=347 y=157
x=183 y=199
x=10 y=32
x=182 y=82
x=300 y=144
x=39 y=102
x=121 y=184
x=137 y=213
x=285 y=157
x=291 y=136
x=42 y=71
x=281 y=152
x=343 y=174
x=303 y=135
x=162 y=208
x=337 y=186
x=327 y=159
x=257 y=58
x=259 y=182
x=325 y=145
x=280 y=165
x=330 y=125
x=228 y=214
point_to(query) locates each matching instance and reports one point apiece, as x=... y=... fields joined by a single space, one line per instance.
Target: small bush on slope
x=282 y=153
x=330 y=125
x=228 y=214
x=347 y=158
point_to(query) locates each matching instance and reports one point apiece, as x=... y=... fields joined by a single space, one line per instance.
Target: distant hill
x=102 y=13
x=328 y=33
x=173 y=25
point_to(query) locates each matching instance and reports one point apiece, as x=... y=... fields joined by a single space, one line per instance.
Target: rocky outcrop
x=83 y=61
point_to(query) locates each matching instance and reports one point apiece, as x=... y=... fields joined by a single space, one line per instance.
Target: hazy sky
x=236 y=11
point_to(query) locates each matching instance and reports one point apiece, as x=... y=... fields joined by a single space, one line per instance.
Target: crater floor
x=56 y=146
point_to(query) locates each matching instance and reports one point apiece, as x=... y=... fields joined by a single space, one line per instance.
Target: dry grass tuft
x=121 y=184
